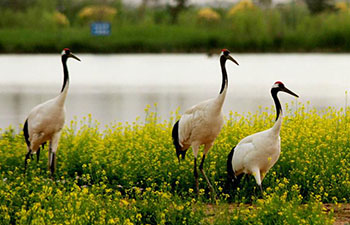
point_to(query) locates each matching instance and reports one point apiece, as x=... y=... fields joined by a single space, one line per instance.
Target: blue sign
x=100 y=29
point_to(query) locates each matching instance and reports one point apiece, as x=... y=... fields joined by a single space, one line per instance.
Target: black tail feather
x=26 y=137
x=232 y=179
x=175 y=135
x=230 y=172
x=26 y=133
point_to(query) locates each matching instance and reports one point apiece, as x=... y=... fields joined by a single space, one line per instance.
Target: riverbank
x=174 y=39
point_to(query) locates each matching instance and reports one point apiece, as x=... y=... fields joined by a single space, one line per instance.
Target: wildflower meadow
x=128 y=173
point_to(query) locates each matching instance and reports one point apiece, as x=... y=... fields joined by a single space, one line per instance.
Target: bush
x=97 y=13
x=342 y=7
x=60 y=19
x=243 y=5
x=208 y=16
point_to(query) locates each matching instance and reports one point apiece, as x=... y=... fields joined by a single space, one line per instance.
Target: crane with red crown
x=46 y=120
x=201 y=124
x=257 y=153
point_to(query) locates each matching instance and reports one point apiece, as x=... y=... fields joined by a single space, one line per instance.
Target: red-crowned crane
x=257 y=153
x=201 y=124
x=46 y=120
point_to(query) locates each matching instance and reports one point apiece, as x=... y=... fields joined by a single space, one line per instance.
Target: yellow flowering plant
x=128 y=173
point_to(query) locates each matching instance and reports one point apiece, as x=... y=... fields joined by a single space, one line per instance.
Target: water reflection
x=118 y=87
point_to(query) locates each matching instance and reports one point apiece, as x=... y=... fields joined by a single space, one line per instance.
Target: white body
x=257 y=153
x=46 y=121
x=201 y=124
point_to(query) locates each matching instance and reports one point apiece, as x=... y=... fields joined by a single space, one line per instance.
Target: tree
x=176 y=8
x=265 y=3
x=318 y=6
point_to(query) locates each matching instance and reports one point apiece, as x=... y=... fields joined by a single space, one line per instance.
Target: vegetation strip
x=245 y=27
x=129 y=173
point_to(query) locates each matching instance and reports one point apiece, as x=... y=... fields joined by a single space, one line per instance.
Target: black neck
x=65 y=72
x=277 y=102
x=224 y=73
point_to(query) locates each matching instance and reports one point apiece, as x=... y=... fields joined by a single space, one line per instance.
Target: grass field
x=129 y=174
x=275 y=30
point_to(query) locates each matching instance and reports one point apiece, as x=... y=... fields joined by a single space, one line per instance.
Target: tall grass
x=129 y=173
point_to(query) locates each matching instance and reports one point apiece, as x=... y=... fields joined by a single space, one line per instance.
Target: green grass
x=257 y=31
x=129 y=173
x=123 y=39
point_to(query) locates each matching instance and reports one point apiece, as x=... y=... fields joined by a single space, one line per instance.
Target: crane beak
x=74 y=57
x=289 y=92
x=232 y=59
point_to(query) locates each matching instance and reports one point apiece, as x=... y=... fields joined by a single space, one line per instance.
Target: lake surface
x=117 y=88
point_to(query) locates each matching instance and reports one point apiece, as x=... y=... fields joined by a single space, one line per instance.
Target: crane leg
x=52 y=162
x=258 y=178
x=52 y=152
x=26 y=159
x=261 y=189
x=37 y=155
x=196 y=175
x=195 y=148
x=206 y=178
x=38 y=152
x=262 y=175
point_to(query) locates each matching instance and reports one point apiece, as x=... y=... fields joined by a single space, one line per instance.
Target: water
x=117 y=88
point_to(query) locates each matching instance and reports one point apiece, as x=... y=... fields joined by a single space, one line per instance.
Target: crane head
x=225 y=53
x=279 y=86
x=67 y=53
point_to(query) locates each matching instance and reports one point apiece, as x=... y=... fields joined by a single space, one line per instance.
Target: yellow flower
x=97 y=13
x=60 y=19
x=124 y=202
x=241 y=6
x=208 y=15
x=128 y=222
x=342 y=7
